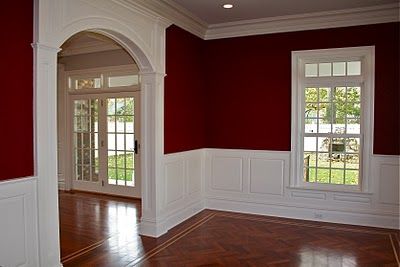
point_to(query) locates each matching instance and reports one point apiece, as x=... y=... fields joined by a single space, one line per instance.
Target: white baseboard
x=304 y=213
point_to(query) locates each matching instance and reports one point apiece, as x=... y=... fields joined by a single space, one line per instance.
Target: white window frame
x=299 y=58
x=104 y=73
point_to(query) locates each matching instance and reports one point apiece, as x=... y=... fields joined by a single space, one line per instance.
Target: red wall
x=249 y=85
x=184 y=92
x=16 y=134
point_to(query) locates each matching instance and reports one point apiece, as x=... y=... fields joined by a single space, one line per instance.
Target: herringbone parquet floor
x=214 y=238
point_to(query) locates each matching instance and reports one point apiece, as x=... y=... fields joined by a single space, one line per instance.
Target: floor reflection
x=310 y=257
x=87 y=220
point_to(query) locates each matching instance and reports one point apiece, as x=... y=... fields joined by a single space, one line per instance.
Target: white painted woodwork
x=139 y=28
x=184 y=176
x=227 y=173
x=18 y=223
x=266 y=176
x=266 y=189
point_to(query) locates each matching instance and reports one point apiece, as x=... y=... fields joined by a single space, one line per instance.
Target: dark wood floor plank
x=103 y=231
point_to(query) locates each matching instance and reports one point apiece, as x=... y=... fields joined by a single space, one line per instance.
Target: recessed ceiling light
x=227 y=6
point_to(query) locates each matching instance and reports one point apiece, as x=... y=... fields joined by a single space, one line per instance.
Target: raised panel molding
x=174 y=181
x=227 y=173
x=184 y=177
x=387 y=170
x=19 y=236
x=266 y=176
x=312 y=195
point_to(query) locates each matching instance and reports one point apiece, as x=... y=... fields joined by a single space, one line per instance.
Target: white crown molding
x=310 y=21
x=172 y=12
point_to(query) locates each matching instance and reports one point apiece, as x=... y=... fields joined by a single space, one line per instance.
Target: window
x=115 y=78
x=332 y=118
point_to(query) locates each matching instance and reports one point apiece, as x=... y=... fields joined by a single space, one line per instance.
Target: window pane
x=111 y=141
x=353 y=110
x=110 y=106
x=352 y=161
x=311 y=70
x=324 y=160
x=129 y=106
x=129 y=124
x=120 y=106
x=351 y=177
x=339 y=68
x=339 y=94
x=323 y=144
x=120 y=123
x=310 y=125
x=311 y=94
x=130 y=160
x=126 y=80
x=325 y=69
x=112 y=174
x=130 y=143
x=324 y=94
x=310 y=144
x=324 y=127
x=354 y=68
x=352 y=145
x=323 y=175
x=337 y=176
x=310 y=160
x=130 y=180
x=120 y=142
x=309 y=175
x=111 y=159
x=353 y=94
x=86 y=173
x=88 y=83
x=353 y=126
x=337 y=160
x=311 y=110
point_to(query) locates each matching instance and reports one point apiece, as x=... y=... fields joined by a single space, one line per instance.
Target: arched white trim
x=143 y=37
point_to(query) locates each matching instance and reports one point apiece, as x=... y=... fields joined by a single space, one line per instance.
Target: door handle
x=136 y=149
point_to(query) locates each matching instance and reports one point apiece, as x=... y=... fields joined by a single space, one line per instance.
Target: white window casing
x=299 y=82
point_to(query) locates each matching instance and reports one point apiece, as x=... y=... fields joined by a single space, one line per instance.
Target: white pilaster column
x=45 y=117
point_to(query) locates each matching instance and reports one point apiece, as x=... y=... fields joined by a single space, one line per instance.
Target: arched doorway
x=144 y=39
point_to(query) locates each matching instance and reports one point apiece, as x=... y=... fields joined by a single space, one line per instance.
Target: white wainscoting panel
x=266 y=176
x=258 y=182
x=386 y=169
x=183 y=193
x=175 y=181
x=227 y=173
x=18 y=223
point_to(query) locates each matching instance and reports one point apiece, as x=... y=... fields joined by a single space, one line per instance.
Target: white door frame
x=142 y=34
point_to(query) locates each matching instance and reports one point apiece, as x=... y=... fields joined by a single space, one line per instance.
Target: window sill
x=333 y=190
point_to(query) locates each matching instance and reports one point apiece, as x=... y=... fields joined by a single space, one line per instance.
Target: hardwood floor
x=102 y=231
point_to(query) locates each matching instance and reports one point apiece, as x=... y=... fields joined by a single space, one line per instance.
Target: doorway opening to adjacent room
x=98 y=126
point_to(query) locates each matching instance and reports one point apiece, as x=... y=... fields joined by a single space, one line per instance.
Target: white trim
x=377 y=208
x=309 y=21
x=185 y=19
x=172 y=12
x=304 y=213
x=367 y=54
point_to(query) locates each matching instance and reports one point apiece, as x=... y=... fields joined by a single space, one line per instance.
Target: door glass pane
x=85 y=140
x=121 y=144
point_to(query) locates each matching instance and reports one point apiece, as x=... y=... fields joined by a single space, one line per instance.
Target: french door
x=105 y=143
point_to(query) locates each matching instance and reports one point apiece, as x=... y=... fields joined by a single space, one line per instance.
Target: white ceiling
x=211 y=11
